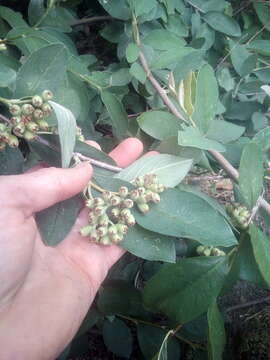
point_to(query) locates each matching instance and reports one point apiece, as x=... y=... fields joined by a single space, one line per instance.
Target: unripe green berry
x=89 y=203
x=19 y=129
x=105 y=240
x=106 y=195
x=3 y=127
x=46 y=108
x=37 y=101
x=122 y=228
x=116 y=239
x=4 y=136
x=99 y=210
x=27 y=109
x=155 y=198
x=47 y=95
x=94 y=236
x=141 y=191
x=103 y=220
x=98 y=201
x=3 y=47
x=200 y=249
x=112 y=230
x=134 y=195
x=139 y=181
x=115 y=200
x=141 y=200
x=130 y=220
x=38 y=114
x=127 y=203
x=207 y=251
x=43 y=125
x=92 y=218
x=123 y=191
x=86 y=230
x=15 y=109
x=29 y=135
x=125 y=213
x=15 y=120
x=144 y=208
x=102 y=231
x=32 y=126
x=160 y=188
x=13 y=141
x=115 y=212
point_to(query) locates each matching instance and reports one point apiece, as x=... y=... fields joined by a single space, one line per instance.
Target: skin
x=45 y=292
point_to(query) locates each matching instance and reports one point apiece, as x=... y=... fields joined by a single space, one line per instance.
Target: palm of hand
x=47 y=291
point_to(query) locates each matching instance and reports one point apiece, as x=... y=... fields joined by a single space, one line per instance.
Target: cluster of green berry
x=239 y=214
x=28 y=118
x=6 y=137
x=209 y=251
x=110 y=215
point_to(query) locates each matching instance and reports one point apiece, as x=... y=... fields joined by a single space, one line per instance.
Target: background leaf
x=194 y=283
x=11 y=161
x=216 y=332
x=251 y=173
x=222 y=23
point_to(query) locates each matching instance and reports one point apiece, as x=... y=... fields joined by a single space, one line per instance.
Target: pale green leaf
x=67 y=131
x=132 y=52
x=137 y=71
x=222 y=23
x=170 y=169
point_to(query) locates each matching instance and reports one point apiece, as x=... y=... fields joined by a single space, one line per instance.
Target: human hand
x=45 y=292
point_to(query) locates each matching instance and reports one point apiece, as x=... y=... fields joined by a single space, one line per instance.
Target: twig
x=258 y=32
x=91 y=20
x=224 y=163
x=100 y=164
x=248 y=304
x=2 y=117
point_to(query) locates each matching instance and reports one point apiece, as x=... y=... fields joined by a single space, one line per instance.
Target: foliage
x=188 y=78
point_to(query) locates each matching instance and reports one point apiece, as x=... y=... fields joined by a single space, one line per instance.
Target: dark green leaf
x=35 y=11
x=117 y=8
x=92 y=152
x=117 y=337
x=184 y=214
x=55 y=222
x=263 y=12
x=251 y=173
x=149 y=245
x=261 y=247
x=216 y=332
x=163 y=40
x=13 y=18
x=222 y=23
x=208 y=5
x=159 y=124
x=206 y=100
x=117 y=113
x=43 y=69
x=132 y=52
x=11 y=161
x=137 y=71
x=262 y=139
x=224 y=132
x=194 y=284
x=243 y=61
x=170 y=57
x=150 y=340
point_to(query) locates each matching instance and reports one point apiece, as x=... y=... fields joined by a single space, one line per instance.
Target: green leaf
x=170 y=169
x=132 y=52
x=251 y=173
x=7 y=77
x=224 y=131
x=159 y=124
x=161 y=39
x=263 y=13
x=14 y=19
x=141 y=7
x=261 y=248
x=120 y=297
x=137 y=71
x=216 y=332
x=184 y=214
x=118 y=9
x=192 y=137
x=260 y=46
x=170 y=58
x=206 y=100
x=149 y=245
x=117 y=113
x=222 y=23
x=11 y=161
x=117 y=337
x=66 y=130
x=150 y=340
x=262 y=139
x=243 y=61
x=56 y=222
x=194 y=284
x=208 y=5
x=43 y=69
x=35 y=11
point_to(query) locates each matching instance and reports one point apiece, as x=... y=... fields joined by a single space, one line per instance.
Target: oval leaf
x=117 y=337
x=170 y=169
x=222 y=23
x=216 y=332
x=184 y=214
